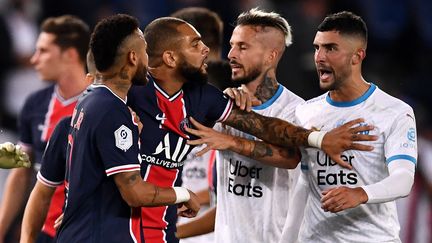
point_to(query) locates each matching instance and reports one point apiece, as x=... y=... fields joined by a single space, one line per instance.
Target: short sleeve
x=219 y=105
x=117 y=142
x=24 y=123
x=53 y=163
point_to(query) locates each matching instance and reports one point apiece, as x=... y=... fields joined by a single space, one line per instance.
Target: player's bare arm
x=203 y=224
x=264 y=152
x=138 y=193
x=282 y=133
x=37 y=204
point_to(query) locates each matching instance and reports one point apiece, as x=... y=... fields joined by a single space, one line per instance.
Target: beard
x=192 y=74
x=254 y=73
x=140 y=77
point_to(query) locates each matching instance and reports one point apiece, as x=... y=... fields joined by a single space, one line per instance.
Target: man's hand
x=212 y=138
x=341 y=198
x=12 y=156
x=192 y=206
x=342 y=138
x=242 y=97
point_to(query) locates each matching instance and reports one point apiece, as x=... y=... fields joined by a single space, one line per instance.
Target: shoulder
x=41 y=94
x=390 y=103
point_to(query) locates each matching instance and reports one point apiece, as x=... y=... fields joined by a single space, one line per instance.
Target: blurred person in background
x=60 y=59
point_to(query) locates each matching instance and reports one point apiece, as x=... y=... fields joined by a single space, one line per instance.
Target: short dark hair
x=257 y=17
x=346 y=23
x=160 y=34
x=107 y=37
x=69 y=31
x=206 y=22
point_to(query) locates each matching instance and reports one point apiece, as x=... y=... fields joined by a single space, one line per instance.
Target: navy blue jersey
x=102 y=142
x=52 y=172
x=163 y=140
x=39 y=116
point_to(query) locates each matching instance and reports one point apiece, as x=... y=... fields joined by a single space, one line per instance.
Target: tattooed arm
x=266 y=153
x=138 y=193
x=282 y=133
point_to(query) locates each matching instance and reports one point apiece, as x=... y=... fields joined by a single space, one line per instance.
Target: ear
x=71 y=54
x=271 y=57
x=90 y=78
x=358 y=56
x=169 y=58
x=132 y=58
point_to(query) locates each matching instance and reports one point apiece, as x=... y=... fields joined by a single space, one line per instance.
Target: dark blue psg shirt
x=163 y=139
x=102 y=142
x=39 y=116
x=53 y=165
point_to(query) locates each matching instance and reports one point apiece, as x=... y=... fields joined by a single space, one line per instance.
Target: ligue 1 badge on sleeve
x=123 y=138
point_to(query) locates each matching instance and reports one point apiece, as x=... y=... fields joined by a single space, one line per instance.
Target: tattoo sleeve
x=269 y=129
x=133 y=179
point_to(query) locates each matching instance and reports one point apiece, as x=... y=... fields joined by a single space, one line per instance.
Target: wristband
x=182 y=194
x=315 y=139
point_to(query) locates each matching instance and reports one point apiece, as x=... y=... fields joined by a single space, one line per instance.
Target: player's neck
x=167 y=80
x=72 y=83
x=118 y=84
x=265 y=86
x=350 y=90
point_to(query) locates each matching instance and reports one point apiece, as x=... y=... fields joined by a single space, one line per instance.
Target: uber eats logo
x=238 y=170
x=341 y=177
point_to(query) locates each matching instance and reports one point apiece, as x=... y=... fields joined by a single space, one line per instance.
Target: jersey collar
x=357 y=101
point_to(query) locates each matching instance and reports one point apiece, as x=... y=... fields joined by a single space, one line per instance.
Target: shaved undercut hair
x=257 y=17
x=161 y=34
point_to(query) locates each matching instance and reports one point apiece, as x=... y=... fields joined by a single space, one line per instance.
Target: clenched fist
x=12 y=156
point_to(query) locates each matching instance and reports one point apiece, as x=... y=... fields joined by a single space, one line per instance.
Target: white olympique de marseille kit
x=253 y=198
x=395 y=125
x=195 y=178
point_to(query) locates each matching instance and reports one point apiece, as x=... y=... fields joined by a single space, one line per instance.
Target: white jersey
x=395 y=125
x=253 y=198
x=195 y=178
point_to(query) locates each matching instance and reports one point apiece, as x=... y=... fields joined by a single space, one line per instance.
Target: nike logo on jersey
x=160 y=117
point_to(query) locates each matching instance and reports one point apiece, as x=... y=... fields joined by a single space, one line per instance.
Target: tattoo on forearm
x=269 y=129
x=156 y=193
x=261 y=150
x=133 y=179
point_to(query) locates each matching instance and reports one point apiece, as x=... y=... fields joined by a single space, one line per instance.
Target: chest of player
x=368 y=167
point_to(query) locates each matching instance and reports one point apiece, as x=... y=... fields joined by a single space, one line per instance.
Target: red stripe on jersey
x=154 y=217
x=54 y=211
x=154 y=236
x=135 y=224
x=174 y=112
x=211 y=161
x=56 y=111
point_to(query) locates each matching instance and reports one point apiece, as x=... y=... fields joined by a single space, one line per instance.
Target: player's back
x=101 y=143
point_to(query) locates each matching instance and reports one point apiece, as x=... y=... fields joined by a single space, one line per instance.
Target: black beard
x=192 y=74
x=140 y=77
x=249 y=78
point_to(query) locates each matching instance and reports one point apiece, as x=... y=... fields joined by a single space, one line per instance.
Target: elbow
x=132 y=200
